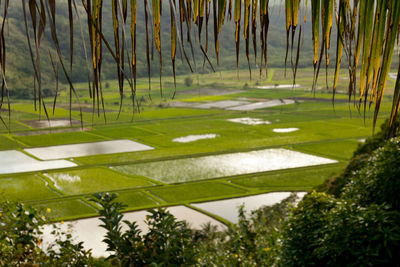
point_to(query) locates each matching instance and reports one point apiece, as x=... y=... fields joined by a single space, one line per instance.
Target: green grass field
x=196 y=191
x=294 y=179
x=19 y=188
x=92 y=180
x=323 y=131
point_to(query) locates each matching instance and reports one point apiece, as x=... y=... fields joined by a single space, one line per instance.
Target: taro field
x=213 y=139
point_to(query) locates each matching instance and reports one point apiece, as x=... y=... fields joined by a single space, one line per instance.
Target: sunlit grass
x=302 y=178
x=93 y=180
x=65 y=208
x=25 y=188
x=195 y=191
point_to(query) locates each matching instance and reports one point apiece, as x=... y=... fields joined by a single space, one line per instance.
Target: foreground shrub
x=19 y=228
x=335 y=185
x=302 y=233
x=20 y=243
x=168 y=242
x=379 y=180
x=324 y=231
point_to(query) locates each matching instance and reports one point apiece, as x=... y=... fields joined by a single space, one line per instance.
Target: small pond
x=249 y=121
x=13 y=161
x=260 y=105
x=189 y=169
x=228 y=209
x=89 y=231
x=87 y=149
x=285 y=130
x=52 y=123
x=280 y=86
x=222 y=104
x=192 y=138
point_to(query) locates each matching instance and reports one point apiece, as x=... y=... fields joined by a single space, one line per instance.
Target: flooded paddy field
x=189 y=169
x=193 y=138
x=228 y=208
x=225 y=144
x=86 y=149
x=54 y=123
x=13 y=161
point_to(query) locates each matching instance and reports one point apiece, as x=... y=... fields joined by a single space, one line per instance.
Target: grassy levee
x=305 y=177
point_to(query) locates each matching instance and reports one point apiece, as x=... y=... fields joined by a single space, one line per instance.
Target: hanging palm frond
x=315 y=17
x=246 y=31
x=4 y=88
x=254 y=10
x=343 y=8
x=264 y=21
x=173 y=41
x=157 y=33
x=237 y=16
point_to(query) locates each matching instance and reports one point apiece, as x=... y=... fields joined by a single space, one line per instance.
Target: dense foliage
x=167 y=242
x=360 y=226
x=324 y=231
x=20 y=243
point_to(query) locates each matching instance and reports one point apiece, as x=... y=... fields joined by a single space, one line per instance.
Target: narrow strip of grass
x=7 y=144
x=136 y=199
x=119 y=132
x=298 y=178
x=58 y=139
x=195 y=191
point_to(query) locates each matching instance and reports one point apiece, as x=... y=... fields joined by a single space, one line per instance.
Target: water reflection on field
x=189 y=169
x=86 y=149
x=192 y=138
x=13 y=161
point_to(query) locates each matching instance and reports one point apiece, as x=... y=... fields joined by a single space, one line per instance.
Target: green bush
x=302 y=232
x=334 y=185
x=168 y=241
x=378 y=181
x=324 y=231
x=188 y=81
x=361 y=226
x=20 y=243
